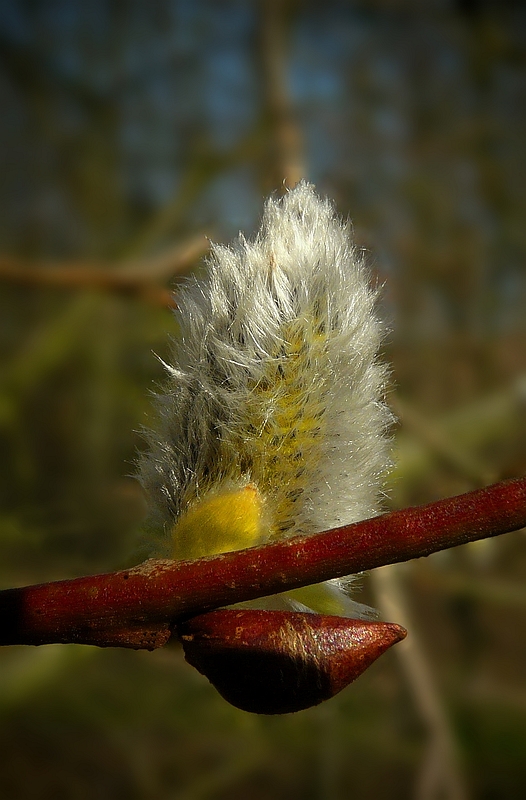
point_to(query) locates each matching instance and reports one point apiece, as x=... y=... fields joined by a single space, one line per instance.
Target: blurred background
x=130 y=132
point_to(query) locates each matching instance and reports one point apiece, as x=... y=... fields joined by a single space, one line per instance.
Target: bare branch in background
x=284 y=163
x=142 y=278
x=440 y=776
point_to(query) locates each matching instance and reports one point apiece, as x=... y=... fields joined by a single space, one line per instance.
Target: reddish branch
x=142 y=278
x=139 y=607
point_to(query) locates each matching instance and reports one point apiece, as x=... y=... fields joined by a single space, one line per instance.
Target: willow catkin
x=271 y=421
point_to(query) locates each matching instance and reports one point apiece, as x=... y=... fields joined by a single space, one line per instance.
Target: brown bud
x=276 y=662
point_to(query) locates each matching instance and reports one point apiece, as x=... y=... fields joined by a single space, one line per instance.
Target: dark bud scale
x=277 y=662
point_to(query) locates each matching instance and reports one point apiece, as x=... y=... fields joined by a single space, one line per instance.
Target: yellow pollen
x=219 y=523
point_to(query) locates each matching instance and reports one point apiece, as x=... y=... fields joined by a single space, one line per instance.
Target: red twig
x=139 y=607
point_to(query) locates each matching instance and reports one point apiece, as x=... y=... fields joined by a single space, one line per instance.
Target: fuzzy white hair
x=275 y=382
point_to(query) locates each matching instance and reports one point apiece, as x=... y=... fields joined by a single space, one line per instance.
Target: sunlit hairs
x=271 y=420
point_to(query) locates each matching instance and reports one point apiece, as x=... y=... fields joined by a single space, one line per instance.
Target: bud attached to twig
x=277 y=662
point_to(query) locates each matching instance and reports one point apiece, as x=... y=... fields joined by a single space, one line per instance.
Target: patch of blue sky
x=322 y=158
x=230 y=204
x=333 y=33
x=388 y=71
x=62 y=22
x=14 y=22
x=315 y=66
x=230 y=20
x=229 y=95
x=156 y=184
x=146 y=137
x=61 y=19
x=390 y=123
x=314 y=81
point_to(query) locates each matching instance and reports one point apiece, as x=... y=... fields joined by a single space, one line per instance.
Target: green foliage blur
x=127 y=128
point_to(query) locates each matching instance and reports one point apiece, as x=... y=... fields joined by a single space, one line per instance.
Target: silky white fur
x=275 y=380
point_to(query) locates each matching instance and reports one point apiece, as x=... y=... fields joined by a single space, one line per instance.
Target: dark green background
x=129 y=126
